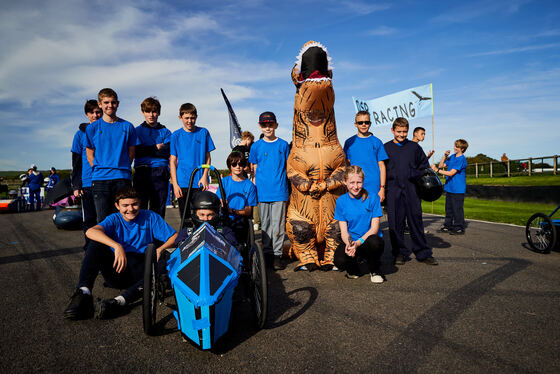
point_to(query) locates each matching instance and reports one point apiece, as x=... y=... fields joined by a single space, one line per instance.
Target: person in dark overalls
x=406 y=164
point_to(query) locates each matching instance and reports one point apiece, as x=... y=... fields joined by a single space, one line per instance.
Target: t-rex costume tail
x=316 y=162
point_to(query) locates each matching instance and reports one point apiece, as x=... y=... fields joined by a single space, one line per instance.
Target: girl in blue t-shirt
x=241 y=195
x=358 y=215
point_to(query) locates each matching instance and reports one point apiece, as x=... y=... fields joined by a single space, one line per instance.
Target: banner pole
x=433 y=136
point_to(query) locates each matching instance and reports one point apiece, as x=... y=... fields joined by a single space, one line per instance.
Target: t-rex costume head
x=316 y=163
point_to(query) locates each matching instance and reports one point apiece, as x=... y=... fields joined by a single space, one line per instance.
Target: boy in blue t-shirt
x=110 y=144
x=268 y=158
x=455 y=187
x=190 y=148
x=117 y=251
x=241 y=195
x=151 y=165
x=81 y=169
x=367 y=151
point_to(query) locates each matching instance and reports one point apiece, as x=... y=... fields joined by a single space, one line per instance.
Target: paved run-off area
x=492 y=305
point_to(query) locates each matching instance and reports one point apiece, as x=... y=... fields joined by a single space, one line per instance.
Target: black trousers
x=182 y=201
x=454 y=214
x=369 y=252
x=152 y=185
x=401 y=205
x=89 y=216
x=100 y=258
x=104 y=192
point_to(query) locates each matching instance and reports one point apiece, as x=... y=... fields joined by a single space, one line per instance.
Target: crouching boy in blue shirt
x=127 y=233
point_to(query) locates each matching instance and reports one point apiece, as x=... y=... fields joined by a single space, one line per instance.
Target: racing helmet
x=206 y=200
x=429 y=187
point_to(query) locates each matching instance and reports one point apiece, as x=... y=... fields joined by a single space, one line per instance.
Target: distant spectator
x=505 y=161
x=53 y=179
x=36 y=180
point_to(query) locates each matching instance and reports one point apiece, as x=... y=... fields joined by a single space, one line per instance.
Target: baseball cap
x=267 y=117
x=33 y=166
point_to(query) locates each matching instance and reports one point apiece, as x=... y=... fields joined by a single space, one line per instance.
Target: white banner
x=412 y=103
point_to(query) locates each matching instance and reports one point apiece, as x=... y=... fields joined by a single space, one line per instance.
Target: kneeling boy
x=127 y=233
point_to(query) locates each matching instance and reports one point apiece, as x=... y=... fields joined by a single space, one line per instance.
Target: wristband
x=361 y=240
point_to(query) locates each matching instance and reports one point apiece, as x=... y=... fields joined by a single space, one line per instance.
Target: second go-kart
x=204 y=270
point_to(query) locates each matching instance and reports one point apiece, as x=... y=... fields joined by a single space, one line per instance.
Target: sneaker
x=352 y=276
x=429 y=261
x=108 y=308
x=80 y=307
x=376 y=278
x=279 y=263
x=457 y=232
x=400 y=260
x=334 y=268
x=443 y=229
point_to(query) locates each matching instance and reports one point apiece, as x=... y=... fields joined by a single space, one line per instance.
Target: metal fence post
x=476 y=169
x=530 y=165
x=508 y=168
x=491 y=168
x=555 y=163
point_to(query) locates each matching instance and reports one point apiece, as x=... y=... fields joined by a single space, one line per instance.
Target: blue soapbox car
x=204 y=271
x=542 y=232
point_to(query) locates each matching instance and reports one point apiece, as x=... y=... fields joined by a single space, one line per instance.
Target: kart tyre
x=540 y=233
x=150 y=300
x=258 y=285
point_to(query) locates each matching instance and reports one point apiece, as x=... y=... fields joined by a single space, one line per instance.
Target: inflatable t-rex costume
x=316 y=163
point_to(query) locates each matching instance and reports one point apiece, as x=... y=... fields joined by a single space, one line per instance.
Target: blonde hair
x=461 y=144
x=355 y=169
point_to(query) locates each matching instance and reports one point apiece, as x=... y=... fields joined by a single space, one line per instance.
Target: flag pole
x=433 y=137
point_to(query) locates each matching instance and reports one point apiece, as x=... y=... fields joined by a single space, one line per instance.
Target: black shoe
x=327 y=267
x=457 y=232
x=444 y=230
x=400 y=260
x=108 y=308
x=279 y=263
x=80 y=307
x=429 y=261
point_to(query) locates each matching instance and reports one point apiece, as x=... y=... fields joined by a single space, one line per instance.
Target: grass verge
x=525 y=180
x=492 y=210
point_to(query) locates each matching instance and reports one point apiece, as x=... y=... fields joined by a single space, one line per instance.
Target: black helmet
x=206 y=200
x=429 y=187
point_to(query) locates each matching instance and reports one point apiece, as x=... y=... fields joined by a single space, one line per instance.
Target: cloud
x=361 y=7
x=470 y=11
x=506 y=51
x=382 y=31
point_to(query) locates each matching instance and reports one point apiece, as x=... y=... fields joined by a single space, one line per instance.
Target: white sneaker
x=376 y=278
x=334 y=268
x=352 y=276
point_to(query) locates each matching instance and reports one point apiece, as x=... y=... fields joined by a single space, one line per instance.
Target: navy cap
x=267 y=117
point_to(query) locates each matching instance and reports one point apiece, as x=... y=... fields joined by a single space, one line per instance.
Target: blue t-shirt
x=458 y=182
x=35 y=181
x=190 y=149
x=147 y=135
x=270 y=177
x=357 y=213
x=135 y=235
x=238 y=194
x=79 y=147
x=53 y=180
x=366 y=153
x=110 y=142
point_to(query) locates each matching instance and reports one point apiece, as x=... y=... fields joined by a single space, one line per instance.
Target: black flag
x=234 y=128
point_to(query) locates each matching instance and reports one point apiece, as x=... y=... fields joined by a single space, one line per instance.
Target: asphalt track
x=492 y=305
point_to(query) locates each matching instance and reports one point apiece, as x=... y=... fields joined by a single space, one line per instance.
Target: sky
x=494 y=66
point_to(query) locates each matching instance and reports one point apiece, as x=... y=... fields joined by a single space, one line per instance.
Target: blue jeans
x=104 y=195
